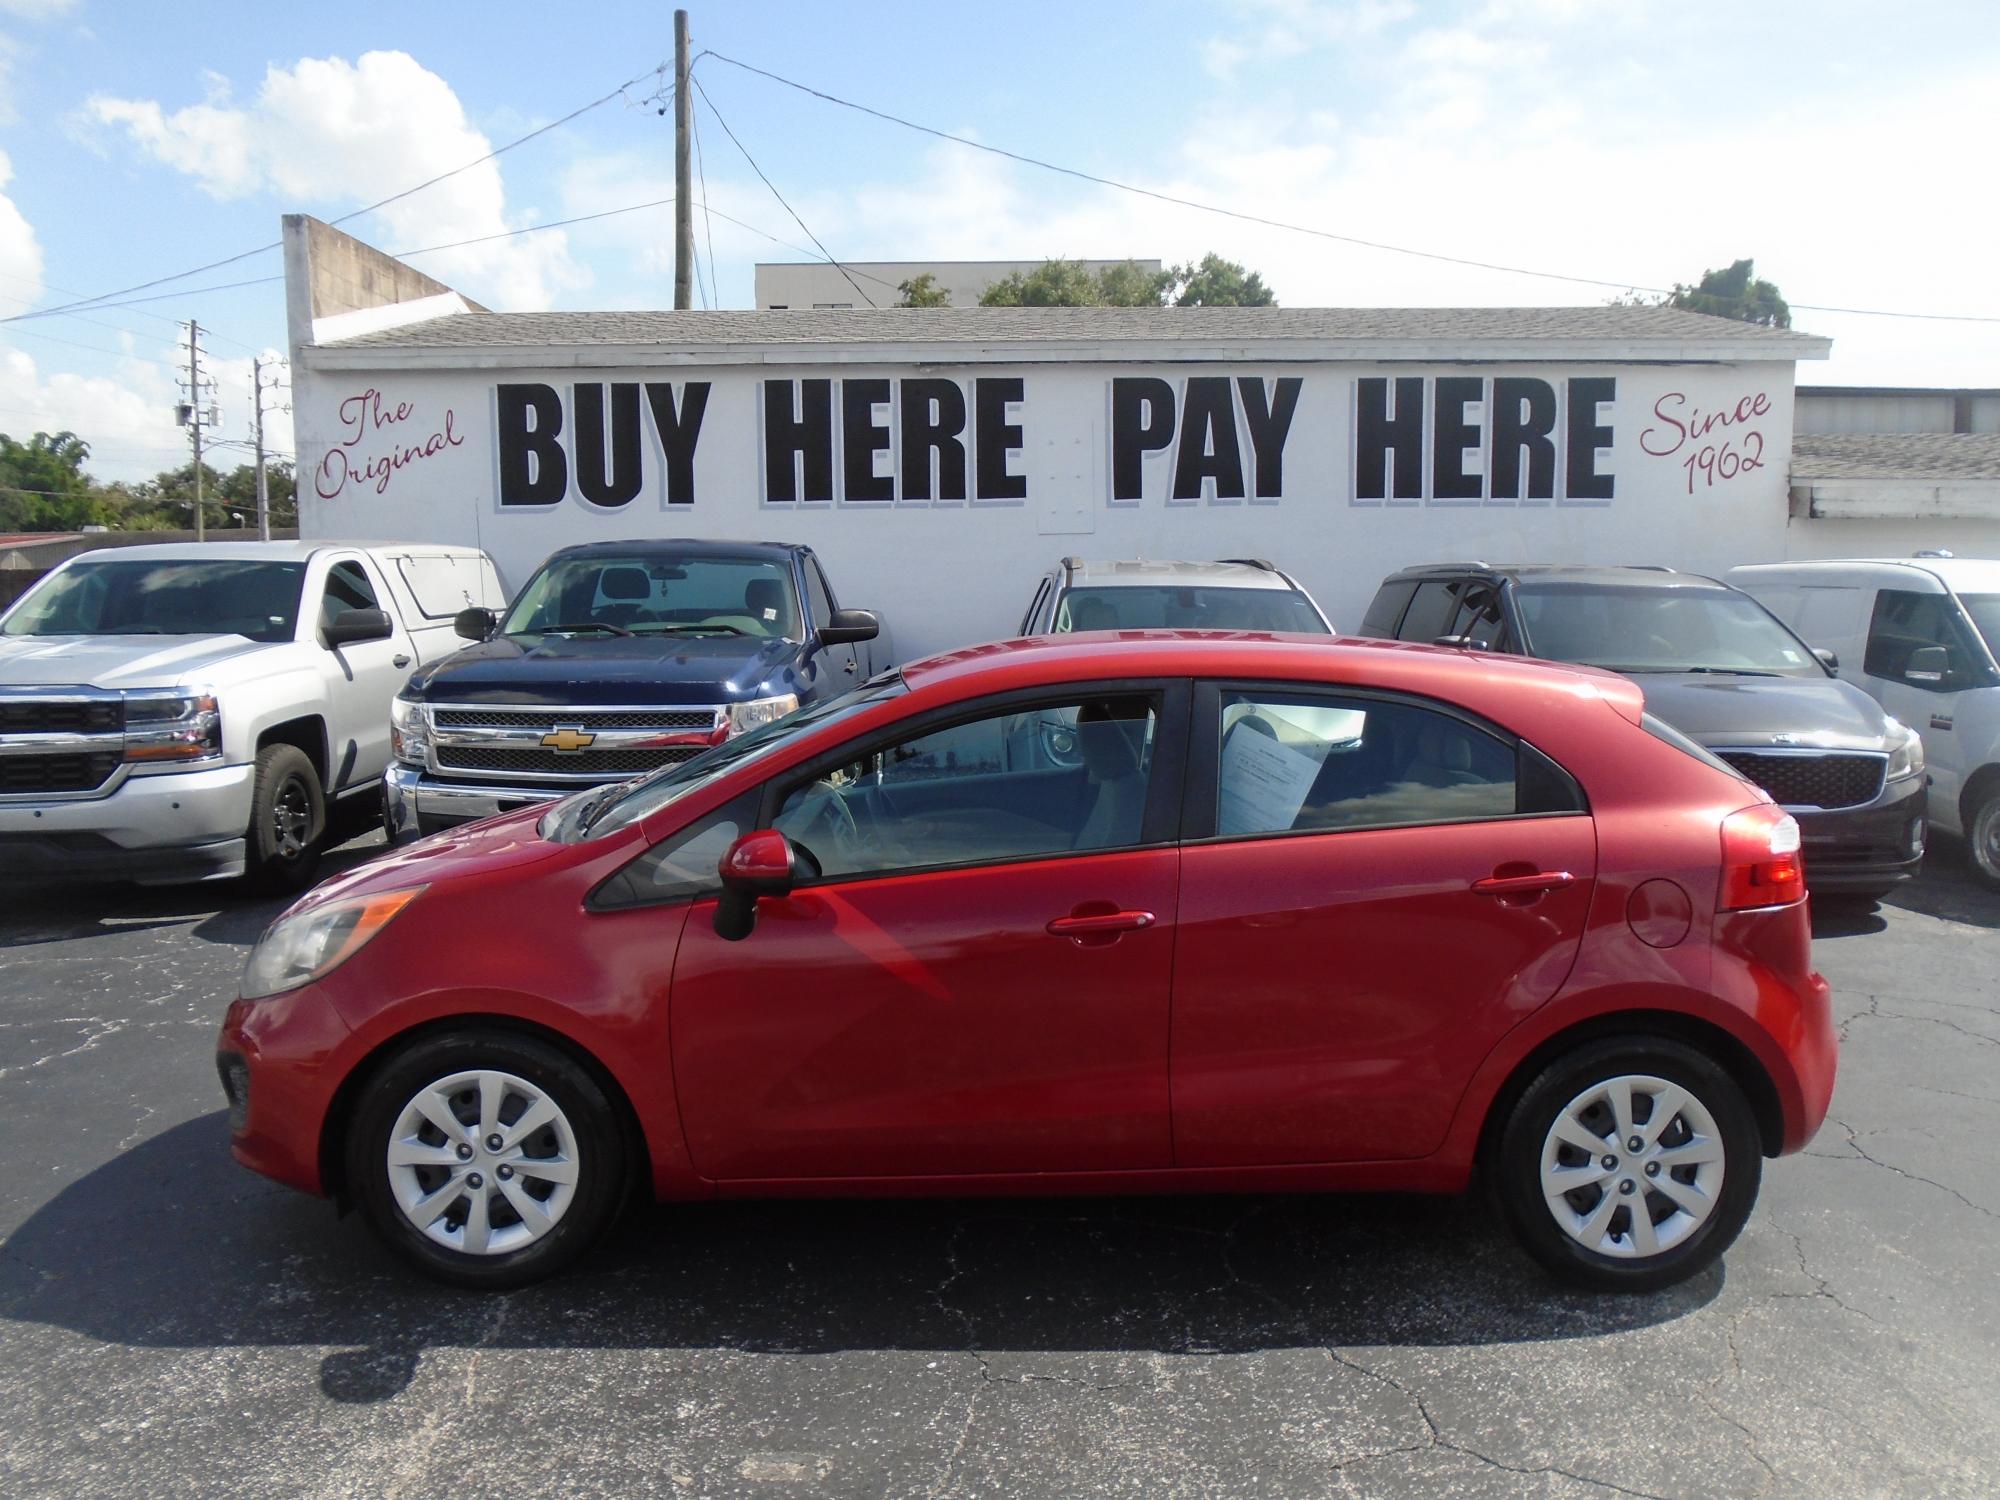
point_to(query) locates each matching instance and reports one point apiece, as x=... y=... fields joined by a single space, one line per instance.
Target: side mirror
x=475 y=624
x=352 y=626
x=1827 y=659
x=850 y=625
x=761 y=863
x=1928 y=664
x=1462 y=643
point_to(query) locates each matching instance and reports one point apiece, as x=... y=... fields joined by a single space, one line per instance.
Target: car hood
x=563 y=671
x=490 y=846
x=116 y=661
x=1755 y=711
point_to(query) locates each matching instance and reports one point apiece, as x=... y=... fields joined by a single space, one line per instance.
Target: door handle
x=1088 y=924
x=399 y=660
x=1523 y=885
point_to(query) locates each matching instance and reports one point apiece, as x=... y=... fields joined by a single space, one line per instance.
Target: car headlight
x=1906 y=750
x=760 y=711
x=303 y=946
x=174 y=725
x=409 y=731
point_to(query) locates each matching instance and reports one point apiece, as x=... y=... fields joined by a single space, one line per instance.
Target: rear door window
x=1386 y=610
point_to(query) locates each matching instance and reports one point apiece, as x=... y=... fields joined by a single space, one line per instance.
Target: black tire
x=1517 y=1169
x=601 y=1157
x=1982 y=837
x=285 y=779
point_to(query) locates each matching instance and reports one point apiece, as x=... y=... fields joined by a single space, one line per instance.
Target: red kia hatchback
x=1130 y=913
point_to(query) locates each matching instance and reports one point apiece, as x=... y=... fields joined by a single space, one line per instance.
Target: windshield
x=652 y=595
x=1659 y=630
x=259 y=600
x=1170 y=606
x=607 y=809
x=1985 y=612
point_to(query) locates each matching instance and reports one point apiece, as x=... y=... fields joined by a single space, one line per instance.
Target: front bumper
x=1866 y=848
x=157 y=829
x=278 y=1061
x=415 y=803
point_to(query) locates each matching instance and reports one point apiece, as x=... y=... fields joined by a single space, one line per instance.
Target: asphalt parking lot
x=172 y=1325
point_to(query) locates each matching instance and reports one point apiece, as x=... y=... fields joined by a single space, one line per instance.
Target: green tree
x=1736 y=292
x=238 y=490
x=923 y=291
x=1216 y=282
x=43 y=486
x=1068 y=283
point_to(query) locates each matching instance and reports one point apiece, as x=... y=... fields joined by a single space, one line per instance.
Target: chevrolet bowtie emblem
x=569 y=741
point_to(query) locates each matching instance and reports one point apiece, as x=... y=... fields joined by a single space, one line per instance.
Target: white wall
x=418 y=460
x=1901 y=538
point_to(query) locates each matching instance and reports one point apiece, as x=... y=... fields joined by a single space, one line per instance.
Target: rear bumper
x=1864 y=848
x=414 y=803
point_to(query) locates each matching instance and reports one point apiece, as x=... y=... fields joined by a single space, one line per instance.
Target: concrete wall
x=335 y=285
x=1827 y=409
x=811 y=284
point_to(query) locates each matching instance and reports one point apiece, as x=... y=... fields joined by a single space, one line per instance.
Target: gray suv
x=1238 y=593
x=1718 y=667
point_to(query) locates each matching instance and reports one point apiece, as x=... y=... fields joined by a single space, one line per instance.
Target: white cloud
x=36 y=10
x=329 y=134
x=1273 y=30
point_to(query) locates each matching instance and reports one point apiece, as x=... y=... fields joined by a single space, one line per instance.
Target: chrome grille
x=483 y=717
x=1814 y=779
x=603 y=765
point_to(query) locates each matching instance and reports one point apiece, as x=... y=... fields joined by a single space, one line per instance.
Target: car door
x=1373 y=891
x=365 y=675
x=833 y=669
x=1902 y=623
x=975 y=980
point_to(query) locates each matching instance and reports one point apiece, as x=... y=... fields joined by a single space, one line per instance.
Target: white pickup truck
x=178 y=713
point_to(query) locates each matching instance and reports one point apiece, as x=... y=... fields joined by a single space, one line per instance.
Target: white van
x=1922 y=636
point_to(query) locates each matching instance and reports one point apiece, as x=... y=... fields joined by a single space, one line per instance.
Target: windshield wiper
x=594 y=805
x=604 y=625
x=1730 y=671
x=719 y=628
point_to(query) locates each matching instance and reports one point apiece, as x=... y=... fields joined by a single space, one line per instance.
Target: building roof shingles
x=1921 y=456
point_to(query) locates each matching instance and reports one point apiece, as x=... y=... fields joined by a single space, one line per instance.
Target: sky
x=1846 y=146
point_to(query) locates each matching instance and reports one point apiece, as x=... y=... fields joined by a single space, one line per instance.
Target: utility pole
x=195 y=416
x=683 y=204
x=257 y=432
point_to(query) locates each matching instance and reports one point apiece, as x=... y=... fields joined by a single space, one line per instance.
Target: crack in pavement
x=1854 y=1139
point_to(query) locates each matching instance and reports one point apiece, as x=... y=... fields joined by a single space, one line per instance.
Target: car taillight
x=1761 y=865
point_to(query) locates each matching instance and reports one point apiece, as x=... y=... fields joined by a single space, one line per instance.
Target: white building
x=941 y=460
x=791 y=286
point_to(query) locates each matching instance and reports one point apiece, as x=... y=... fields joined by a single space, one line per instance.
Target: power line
x=103 y=299
x=707 y=226
x=774 y=188
x=1269 y=223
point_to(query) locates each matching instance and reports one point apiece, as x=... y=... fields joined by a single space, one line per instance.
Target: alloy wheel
x=291 y=819
x=1632 y=1166
x=483 y=1162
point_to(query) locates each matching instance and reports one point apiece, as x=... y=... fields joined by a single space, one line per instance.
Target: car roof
x=286 y=551
x=1137 y=572
x=1249 y=655
x=682 y=547
x=1601 y=575
x=1962 y=575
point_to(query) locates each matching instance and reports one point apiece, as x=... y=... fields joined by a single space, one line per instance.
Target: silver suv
x=1238 y=593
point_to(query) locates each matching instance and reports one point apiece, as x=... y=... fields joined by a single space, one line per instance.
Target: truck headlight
x=1906 y=750
x=171 y=725
x=303 y=946
x=409 y=731
x=760 y=711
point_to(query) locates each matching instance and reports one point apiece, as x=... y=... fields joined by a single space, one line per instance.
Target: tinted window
x=128 y=597
x=1906 y=622
x=1431 y=612
x=1193 y=607
x=817 y=596
x=1659 y=629
x=651 y=595
x=1479 y=617
x=1387 y=609
x=1068 y=777
x=1313 y=762
x=347 y=587
x=1985 y=612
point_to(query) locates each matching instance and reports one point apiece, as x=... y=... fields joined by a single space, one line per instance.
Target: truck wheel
x=287 y=820
x=1982 y=837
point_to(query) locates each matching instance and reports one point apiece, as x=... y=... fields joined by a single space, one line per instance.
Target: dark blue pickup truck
x=616 y=659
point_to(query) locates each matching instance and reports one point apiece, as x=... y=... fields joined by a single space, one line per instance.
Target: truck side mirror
x=1462 y=643
x=475 y=624
x=761 y=863
x=1928 y=664
x=1827 y=659
x=850 y=625
x=352 y=626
